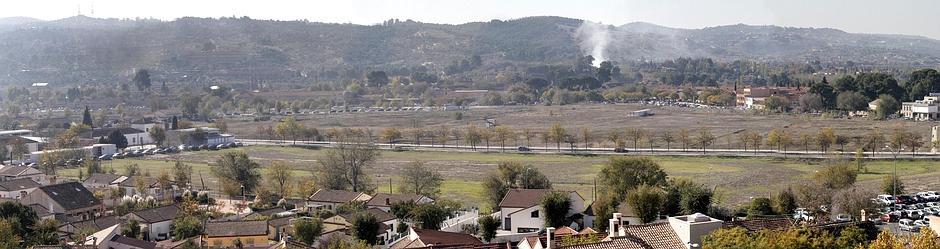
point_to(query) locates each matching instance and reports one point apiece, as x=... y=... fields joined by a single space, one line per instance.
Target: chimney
x=613 y=227
x=549 y=233
x=691 y=228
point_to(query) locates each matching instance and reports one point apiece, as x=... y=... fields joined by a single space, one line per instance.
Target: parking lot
x=904 y=214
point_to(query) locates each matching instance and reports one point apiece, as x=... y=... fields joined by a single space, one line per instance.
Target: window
x=535 y=214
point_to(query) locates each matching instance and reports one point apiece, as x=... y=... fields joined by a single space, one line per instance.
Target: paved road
x=610 y=151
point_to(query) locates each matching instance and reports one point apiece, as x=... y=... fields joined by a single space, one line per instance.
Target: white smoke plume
x=593 y=38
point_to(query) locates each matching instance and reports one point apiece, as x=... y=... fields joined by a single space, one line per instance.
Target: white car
x=843 y=218
x=908 y=225
x=802 y=214
x=886 y=200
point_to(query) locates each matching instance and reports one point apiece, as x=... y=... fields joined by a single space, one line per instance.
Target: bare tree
x=343 y=167
x=668 y=138
x=279 y=174
x=420 y=180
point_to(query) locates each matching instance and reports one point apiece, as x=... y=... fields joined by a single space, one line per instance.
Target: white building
x=135 y=137
x=521 y=209
x=16 y=189
x=155 y=222
x=922 y=110
x=328 y=199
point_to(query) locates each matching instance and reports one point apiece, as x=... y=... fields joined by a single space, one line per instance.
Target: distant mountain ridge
x=86 y=49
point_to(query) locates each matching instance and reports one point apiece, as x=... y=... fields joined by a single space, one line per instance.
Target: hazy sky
x=914 y=17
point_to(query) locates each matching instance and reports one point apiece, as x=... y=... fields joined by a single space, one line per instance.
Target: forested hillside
x=201 y=50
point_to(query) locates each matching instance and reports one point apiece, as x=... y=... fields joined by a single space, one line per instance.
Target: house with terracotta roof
x=155 y=222
x=329 y=199
x=420 y=238
x=224 y=234
x=17 y=188
x=679 y=232
x=521 y=211
x=70 y=198
x=385 y=201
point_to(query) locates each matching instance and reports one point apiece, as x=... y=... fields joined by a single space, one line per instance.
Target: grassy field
x=736 y=179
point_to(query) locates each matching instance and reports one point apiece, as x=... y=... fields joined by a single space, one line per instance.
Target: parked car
x=802 y=214
x=912 y=214
x=523 y=149
x=105 y=157
x=204 y=147
x=843 y=218
x=620 y=150
x=890 y=217
x=118 y=156
x=221 y=146
x=906 y=199
x=922 y=223
x=908 y=225
x=886 y=199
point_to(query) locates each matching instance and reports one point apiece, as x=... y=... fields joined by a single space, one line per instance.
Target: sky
x=911 y=17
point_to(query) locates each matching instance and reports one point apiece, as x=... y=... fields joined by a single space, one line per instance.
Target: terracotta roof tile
x=236 y=228
x=656 y=235
x=334 y=196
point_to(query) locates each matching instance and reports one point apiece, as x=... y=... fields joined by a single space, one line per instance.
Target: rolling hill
x=85 y=49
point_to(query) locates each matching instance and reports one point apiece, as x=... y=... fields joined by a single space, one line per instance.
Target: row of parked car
x=910 y=211
x=167 y=150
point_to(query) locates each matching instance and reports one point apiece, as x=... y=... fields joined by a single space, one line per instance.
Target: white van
x=908 y=225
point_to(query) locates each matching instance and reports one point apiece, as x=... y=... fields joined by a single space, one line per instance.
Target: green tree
x=852 y=200
x=308 y=230
x=852 y=237
x=186 y=227
x=836 y=176
x=646 y=201
x=237 y=173
x=825 y=138
x=784 y=202
x=776 y=104
x=555 y=207
x=366 y=228
x=887 y=105
x=182 y=174
x=10 y=239
x=510 y=175
x=734 y=237
x=117 y=138
x=622 y=174
x=343 y=167
x=760 y=206
x=86 y=118
x=142 y=79
x=289 y=128
x=488 y=227
x=886 y=240
x=131 y=229
x=430 y=216
x=852 y=101
x=683 y=196
x=892 y=184
x=158 y=134
x=420 y=180
x=377 y=78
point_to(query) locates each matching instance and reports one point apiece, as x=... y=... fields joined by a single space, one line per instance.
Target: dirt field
x=735 y=179
x=601 y=119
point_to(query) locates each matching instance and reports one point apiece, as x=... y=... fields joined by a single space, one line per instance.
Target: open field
x=601 y=119
x=736 y=179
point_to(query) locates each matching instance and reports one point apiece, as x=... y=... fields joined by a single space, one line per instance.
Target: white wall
x=523 y=218
x=158 y=228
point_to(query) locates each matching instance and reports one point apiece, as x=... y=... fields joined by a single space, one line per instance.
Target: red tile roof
x=334 y=196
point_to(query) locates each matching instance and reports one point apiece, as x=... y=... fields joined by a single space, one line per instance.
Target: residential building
x=387 y=223
x=11 y=138
x=203 y=136
x=155 y=222
x=42 y=212
x=102 y=180
x=124 y=242
x=329 y=199
x=93 y=150
x=151 y=187
x=521 y=210
x=94 y=224
x=753 y=98
x=421 y=238
x=385 y=201
x=278 y=227
x=10 y=172
x=17 y=188
x=224 y=234
x=70 y=198
x=922 y=110
x=135 y=137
